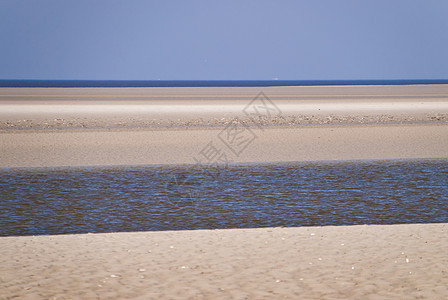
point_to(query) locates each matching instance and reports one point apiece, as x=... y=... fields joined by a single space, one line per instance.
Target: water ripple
x=110 y=199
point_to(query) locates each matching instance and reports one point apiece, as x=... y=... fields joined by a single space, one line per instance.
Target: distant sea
x=208 y=83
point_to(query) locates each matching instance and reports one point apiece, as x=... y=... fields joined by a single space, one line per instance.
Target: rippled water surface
x=110 y=199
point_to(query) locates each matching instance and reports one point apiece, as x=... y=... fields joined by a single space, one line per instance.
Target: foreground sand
x=347 y=262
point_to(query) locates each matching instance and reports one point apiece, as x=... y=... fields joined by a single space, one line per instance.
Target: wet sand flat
x=182 y=146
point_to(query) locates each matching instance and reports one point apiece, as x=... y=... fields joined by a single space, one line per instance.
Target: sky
x=223 y=40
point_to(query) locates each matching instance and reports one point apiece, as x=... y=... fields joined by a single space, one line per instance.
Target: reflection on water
x=109 y=199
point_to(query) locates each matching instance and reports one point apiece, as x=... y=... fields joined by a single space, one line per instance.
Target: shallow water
x=110 y=199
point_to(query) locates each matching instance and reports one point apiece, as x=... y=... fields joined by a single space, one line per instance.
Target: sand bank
x=137 y=147
x=62 y=108
x=347 y=262
x=116 y=126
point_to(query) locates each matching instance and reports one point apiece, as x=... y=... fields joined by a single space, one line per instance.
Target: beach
x=345 y=262
x=181 y=146
x=68 y=127
x=137 y=126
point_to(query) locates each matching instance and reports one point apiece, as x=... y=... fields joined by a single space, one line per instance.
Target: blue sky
x=223 y=40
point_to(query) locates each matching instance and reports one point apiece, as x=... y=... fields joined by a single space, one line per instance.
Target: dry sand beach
x=346 y=262
x=48 y=127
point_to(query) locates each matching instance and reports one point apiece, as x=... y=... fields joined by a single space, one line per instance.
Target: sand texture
x=346 y=262
x=137 y=147
x=131 y=126
x=61 y=108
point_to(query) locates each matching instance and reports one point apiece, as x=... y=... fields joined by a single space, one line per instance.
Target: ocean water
x=36 y=201
x=208 y=83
